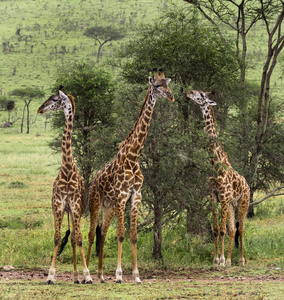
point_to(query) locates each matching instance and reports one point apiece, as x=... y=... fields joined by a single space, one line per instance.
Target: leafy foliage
x=93 y=92
x=174 y=161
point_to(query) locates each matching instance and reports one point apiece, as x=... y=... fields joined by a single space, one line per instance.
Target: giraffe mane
x=213 y=117
x=71 y=98
x=141 y=109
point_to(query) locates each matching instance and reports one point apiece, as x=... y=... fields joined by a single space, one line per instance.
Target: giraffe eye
x=54 y=99
x=156 y=85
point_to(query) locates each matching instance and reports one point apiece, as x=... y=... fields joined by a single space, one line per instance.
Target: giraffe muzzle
x=171 y=97
x=40 y=110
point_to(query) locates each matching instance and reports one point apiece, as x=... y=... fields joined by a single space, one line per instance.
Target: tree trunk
x=275 y=46
x=99 y=53
x=157 y=230
x=28 y=116
x=23 y=118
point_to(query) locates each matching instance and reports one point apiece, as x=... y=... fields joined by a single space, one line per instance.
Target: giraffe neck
x=209 y=120
x=216 y=152
x=67 y=156
x=134 y=143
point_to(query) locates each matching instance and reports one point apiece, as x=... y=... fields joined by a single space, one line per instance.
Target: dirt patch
x=157 y=275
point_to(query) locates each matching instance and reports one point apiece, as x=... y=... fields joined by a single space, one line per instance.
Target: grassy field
x=26 y=243
x=152 y=289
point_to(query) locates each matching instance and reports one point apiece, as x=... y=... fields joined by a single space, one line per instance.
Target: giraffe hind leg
x=108 y=215
x=94 y=208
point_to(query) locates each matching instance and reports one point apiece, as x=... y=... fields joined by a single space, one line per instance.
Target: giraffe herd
x=121 y=180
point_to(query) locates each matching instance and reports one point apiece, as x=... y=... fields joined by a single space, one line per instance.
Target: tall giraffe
x=227 y=186
x=121 y=180
x=68 y=188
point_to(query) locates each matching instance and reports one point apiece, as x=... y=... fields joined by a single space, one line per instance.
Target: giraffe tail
x=237 y=234
x=98 y=239
x=64 y=241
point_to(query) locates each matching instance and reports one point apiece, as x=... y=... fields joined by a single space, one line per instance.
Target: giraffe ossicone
x=68 y=188
x=121 y=180
x=226 y=185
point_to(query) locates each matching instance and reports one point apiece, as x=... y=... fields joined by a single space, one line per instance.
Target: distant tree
x=27 y=95
x=93 y=139
x=7 y=105
x=174 y=161
x=103 y=35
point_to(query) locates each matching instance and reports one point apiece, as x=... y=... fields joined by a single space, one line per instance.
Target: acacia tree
x=241 y=16
x=173 y=162
x=265 y=119
x=103 y=35
x=93 y=139
x=27 y=95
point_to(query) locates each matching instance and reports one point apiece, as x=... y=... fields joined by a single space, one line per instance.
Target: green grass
x=55 y=35
x=26 y=177
x=151 y=290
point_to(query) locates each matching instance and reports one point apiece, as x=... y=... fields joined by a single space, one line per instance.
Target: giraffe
x=226 y=185
x=121 y=180
x=68 y=188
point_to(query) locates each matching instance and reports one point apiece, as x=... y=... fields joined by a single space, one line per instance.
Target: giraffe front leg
x=58 y=216
x=135 y=204
x=76 y=239
x=232 y=231
x=79 y=241
x=224 y=213
x=73 y=244
x=120 y=237
x=216 y=228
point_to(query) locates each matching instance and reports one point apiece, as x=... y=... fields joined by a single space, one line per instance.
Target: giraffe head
x=60 y=101
x=201 y=98
x=160 y=85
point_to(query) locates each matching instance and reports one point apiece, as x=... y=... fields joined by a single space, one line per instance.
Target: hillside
x=38 y=36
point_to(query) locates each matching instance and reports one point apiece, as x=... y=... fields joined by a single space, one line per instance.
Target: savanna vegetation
x=103 y=52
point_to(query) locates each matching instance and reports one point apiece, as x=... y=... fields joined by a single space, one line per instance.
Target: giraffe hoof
x=89 y=282
x=118 y=281
x=49 y=282
x=77 y=282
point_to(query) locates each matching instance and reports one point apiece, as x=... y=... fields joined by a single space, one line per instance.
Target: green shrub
x=17 y=185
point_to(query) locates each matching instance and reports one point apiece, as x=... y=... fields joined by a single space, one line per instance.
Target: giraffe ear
x=212 y=103
x=151 y=80
x=61 y=94
x=168 y=80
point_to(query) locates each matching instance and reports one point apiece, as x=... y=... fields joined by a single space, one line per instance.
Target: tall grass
x=26 y=222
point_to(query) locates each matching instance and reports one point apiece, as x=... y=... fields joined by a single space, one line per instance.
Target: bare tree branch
x=271 y=194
